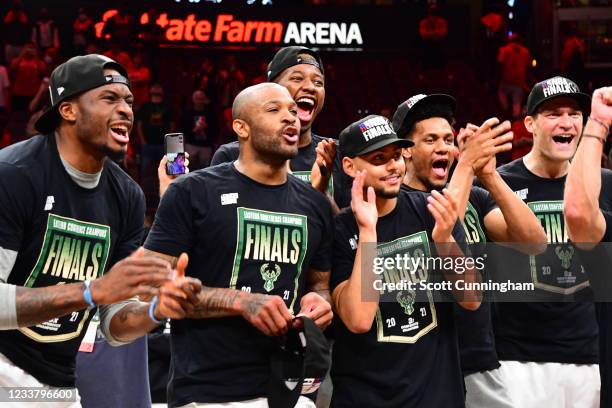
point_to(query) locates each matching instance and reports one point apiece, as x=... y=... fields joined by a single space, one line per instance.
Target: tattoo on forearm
x=129 y=311
x=254 y=304
x=319 y=282
x=37 y=305
x=216 y=302
x=172 y=259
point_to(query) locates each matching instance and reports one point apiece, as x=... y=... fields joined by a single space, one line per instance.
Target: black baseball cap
x=554 y=88
x=401 y=118
x=299 y=365
x=75 y=76
x=369 y=134
x=289 y=56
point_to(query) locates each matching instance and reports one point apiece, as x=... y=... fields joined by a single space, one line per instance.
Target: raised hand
x=136 y=275
x=464 y=134
x=601 y=106
x=178 y=298
x=324 y=163
x=491 y=138
x=164 y=179
x=443 y=207
x=365 y=211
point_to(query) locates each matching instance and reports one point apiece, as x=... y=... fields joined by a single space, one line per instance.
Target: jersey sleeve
x=605 y=196
x=172 y=230
x=131 y=237
x=223 y=155
x=321 y=260
x=483 y=199
x=17 y=198
x=607 y=237
x=344 y=250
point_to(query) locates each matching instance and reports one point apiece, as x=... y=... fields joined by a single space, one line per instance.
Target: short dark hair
x=426 y=111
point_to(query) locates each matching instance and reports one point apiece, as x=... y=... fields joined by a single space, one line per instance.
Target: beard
x=270 y=148
x=113 y=154
x=384 y=193
x=433 y=186
x=88 y=132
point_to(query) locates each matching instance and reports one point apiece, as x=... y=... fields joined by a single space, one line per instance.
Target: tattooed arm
x=37 y=305
x=318 y=282
x=135 y=275
x=316 y=304
x=125 y=322
x=267 y=313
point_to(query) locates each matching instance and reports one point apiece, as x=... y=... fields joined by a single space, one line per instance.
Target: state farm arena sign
x=232 y=29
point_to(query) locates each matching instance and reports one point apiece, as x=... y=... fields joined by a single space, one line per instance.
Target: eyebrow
x=557 y=110
x=115 y=94
x=279 y=102
x=438 y=135
x=297 y=71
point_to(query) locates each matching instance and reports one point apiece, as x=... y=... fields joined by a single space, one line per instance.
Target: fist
x=601 y=105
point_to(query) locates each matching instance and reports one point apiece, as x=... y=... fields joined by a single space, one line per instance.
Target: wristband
x=600 y=123
x=601 y=139
x=87 y=294
x=152 y=308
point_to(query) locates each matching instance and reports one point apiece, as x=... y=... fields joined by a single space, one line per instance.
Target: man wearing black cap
x=499 y=215
x=548 y=350
x=588 y=224
x=394 y=347
x=260 y=241
x=68 y=215
x=300 y=70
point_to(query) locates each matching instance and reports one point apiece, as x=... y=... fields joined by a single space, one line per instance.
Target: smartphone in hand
x=175 y=152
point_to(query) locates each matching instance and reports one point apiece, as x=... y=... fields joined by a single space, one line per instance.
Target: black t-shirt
x=63 y=233
x=563 y=330
x=409 y=358
x=604 y=318
x=474 y=328
x=156 y=119
x=301 y=166
x=598 y=263
x=243 y=235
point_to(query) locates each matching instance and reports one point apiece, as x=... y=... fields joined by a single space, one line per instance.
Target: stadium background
x=374 y=52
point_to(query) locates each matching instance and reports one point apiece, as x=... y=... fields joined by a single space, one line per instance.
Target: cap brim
x=386 y=142
x=47 y=122
x=584 y=101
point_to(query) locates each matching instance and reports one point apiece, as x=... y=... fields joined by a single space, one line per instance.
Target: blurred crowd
x=194 y=95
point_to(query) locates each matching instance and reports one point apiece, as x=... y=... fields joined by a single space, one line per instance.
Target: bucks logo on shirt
x=400 y=317
x=270 y=251
x=72 y=251
x=556 y=270
x=471 y=225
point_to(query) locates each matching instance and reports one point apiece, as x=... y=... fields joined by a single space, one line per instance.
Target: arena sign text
x=228 y=29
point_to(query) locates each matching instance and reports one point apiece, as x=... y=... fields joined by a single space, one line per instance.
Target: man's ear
x=68 y=111
x=529 y=122
x=348 y=165
x=407 y=153
x=241 y=128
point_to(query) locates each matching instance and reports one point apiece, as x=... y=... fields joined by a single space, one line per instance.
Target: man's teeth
x=563 y=138
x=306 y=100
x=122 y=130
